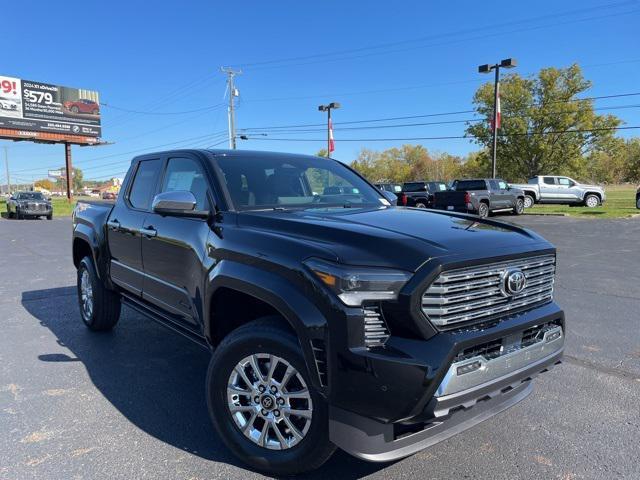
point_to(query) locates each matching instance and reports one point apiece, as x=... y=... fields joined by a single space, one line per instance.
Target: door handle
x=148 y=231
x=114 y=224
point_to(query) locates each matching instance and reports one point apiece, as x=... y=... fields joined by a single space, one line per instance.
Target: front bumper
x=415 y=396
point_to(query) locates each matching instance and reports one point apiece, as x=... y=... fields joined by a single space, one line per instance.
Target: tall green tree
x=544 y=129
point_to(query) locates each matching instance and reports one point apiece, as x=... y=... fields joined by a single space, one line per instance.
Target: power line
x=344 y=55
x=128 y=152
x=458 y=112
x=421 y=124
x=449 y=137
x=140 y=112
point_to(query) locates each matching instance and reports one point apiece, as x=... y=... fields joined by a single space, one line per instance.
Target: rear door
x=548 y=190
x=124 y=224
x=173 y=247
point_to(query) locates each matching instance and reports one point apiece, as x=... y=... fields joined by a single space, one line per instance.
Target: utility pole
x=506 y=63
x=233 y=92
x=6 y=164
x=68 y=170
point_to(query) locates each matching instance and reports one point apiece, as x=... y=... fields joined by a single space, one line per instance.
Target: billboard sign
x=42 y=107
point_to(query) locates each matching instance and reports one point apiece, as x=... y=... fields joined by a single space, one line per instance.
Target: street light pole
x=506 y=63
x=327 y=108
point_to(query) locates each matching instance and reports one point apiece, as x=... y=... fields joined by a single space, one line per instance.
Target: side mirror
x=392 y=197
x=179 y=203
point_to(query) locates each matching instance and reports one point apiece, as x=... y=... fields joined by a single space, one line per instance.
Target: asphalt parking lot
x=130 y=404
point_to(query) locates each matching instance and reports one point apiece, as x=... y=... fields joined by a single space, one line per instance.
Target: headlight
x=354 y=284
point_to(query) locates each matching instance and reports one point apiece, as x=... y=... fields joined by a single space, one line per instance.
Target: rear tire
x=519 y=208
x=99 y=307
x=591 y=201
x=287 y=451
x=483 y=210
x=420 y=205
x=529 y=201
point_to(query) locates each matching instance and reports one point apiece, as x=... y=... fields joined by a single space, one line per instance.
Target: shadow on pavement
x=154 y=377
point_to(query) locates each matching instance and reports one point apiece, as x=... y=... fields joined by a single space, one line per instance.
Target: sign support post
x=68 y=169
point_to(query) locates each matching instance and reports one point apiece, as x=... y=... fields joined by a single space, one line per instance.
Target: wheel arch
x=249 y=293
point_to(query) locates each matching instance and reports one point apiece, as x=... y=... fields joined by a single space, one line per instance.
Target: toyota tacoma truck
x=480 y=196
x=335 y=320
x=560 y=190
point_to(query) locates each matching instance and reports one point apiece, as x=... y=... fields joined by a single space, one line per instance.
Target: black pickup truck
x=333 y=318
x=480 y=196
x=419 y=194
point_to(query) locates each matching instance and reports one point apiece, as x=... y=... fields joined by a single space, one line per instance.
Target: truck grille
x=474 y=294
x=376 y=333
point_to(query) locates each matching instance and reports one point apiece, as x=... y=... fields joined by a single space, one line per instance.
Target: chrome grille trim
x=474 y=293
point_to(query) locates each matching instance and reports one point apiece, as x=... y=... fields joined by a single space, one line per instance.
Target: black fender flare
x=302 y=315
x=87 y=234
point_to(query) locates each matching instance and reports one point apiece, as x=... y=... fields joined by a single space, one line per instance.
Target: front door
x=173 y=247
x=508 y=198
x=124 y=224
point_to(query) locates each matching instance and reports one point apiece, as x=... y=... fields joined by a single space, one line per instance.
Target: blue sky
x=165 y=57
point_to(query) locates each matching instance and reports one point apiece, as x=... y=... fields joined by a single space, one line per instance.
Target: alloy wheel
x=86 y=295
x=269 y=401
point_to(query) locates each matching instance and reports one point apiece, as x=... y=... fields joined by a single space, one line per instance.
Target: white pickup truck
x=560 y=190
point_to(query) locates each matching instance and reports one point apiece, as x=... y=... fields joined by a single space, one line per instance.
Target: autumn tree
x=545 y=128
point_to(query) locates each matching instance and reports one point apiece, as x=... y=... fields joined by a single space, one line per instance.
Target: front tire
x=529 y=201
x=99 y=307
x=50 y=216
x=591 y=201
x=519 y=208
x=638 y=202
x=262 y=402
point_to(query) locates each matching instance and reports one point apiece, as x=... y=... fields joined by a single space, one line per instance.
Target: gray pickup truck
x=560 y=190
x=480 y=196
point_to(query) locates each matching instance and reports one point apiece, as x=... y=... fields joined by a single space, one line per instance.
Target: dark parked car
x=394 y=188
x=480 y=196
x=82 y=105
x=419 y=194
x=638 y=198
x=334 y=319
x=108 y=196
x=29 y=204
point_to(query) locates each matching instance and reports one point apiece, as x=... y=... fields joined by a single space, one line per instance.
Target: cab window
x=144 y=184
x=564 y=181
x=549 y=180
x=186 y=174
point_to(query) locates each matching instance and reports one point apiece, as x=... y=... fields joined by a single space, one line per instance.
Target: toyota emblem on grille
x=513 y=282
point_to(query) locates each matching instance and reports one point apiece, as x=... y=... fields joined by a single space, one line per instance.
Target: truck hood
x=395 y=237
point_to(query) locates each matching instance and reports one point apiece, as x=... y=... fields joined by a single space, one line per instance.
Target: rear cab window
x=413 y=187
x=549 y=180
x=470 y=185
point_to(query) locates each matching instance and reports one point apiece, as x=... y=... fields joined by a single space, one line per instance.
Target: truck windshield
x=256 y=183
x=470 y=185
x=30 y=196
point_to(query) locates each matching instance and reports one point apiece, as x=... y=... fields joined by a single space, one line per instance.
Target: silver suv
x=560 y=190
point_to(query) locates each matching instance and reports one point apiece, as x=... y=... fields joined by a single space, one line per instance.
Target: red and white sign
x=498 y=112
x=332 y=144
